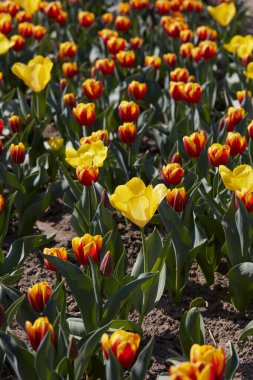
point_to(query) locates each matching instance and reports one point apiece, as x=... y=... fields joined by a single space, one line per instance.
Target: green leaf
x=247 y=331
x=142 y=363
x=191 y=330
x=44 y=358
x=232 y=363
x=13 y=309
x=241 y=285
x=114 y=370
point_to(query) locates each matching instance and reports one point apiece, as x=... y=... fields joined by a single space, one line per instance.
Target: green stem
x=145 y=259
x=71 y=182
x=89 y=203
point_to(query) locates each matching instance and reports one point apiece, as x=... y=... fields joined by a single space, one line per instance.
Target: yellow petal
x=138 y=210
x=240 y=179
x=223 y=13
x=235 y=42
x=5 y=44
x=31 y=6
x=249 y=72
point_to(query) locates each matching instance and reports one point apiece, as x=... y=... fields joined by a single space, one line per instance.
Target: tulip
x=86 y=246
x=18 y=42
x=122 y=23
x=5 y=23
x=192 y=93
x=176 y=158
x=152 y=61
x=67 y=49
x=70 y=69
x=128 y=111
x=15 y=124
x=23 y=16
x=170 y=59
x=186 y=49
x=53 y=9
x=218 y=154
x=235 y=43
x=241 y=178
x=93 y=154
x=63 y=84
x=206 y=33
x=234 y=116
x=123 y=8
x=30 y=6
x=55 y=143
x=175 y=28
x=223 y=13
x=86 y=19
x=162 y=6
x=137 y=89
x=107 y=18
x=36 y=74
x=92 y=89
x=177 y=90
x=106 y=34
x=179 y=75
x=186 y=35
x=208 y=49
x=247 y=198
x=87 y=175
x=105 y=66
x=5 y=44
x=1 y=126
x=100 y=135
x=69 y=100
x=127 y=132
x=137 y=202
x=249 y=72
x=115 y=45
x=57 y=252
x=106 y=266
x=38 y=330
x=139 y=4
x=85 y=114
x=173 y=173
x=124 y=346
x=126 y=58
x=209 y=355
x=25 y=29
x=136 y=42
x=17 y=153
x=39 y=32
x=38 y=295
x=176 y=198
x=1 y=203
x=191 y=371
x=11 y=7
x=241 y=96
x=236 y=142
x=194 y=144
x=62 y=17
x=250 y=130
x=196 y=54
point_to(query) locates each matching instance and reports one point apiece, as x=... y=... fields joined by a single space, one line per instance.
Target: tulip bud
x=70 y=69
x=61 y=18
x=105 y=66
x=206 y=33
x=115 y=44
x=92 y=89
x=63 y=84
x=123 y=8
x=127 y=132
x=105 y=199
x=1 y=204
x=107 y=18
x=69 y=100
x=186 y=49
x=179 y=75
x=57 y=252
x=176 y=159
x=192 y=93
x=2 y=315
x=136 y=42
x=67 y=49
x=15 y=124
x=186 y=35
x=177 y=90
x=218 y=154
x=18 y=42
x=194 y=143
x=162 y=6
x=250 y=130
x=11 y=8
x=85 y=114
x=173 y=174
x=39 y=32
x=86 y=19
x=53 y=9
x=139 y=4
x=246 y=196
x=100 y=135
x=23 y=16
x=122 y=23
x=126 y=58
x=137 y=89
x=196 y=54
x=128 y=111
x=17 y=153
x=106 y=266
x=210 y=356
x=1 y=126
x=87 y=175
x=236 y=142
x=176 y=198
x=25 y=29
x=241 y=96
x=38 y=295
x=55 y=143
x=6 y=25
x=86 y=246
x=37 y=331
x=106 y=34
x=170 y=59
x=152 y=61
x=234 y=116
x=72 y=348
x=208 y=49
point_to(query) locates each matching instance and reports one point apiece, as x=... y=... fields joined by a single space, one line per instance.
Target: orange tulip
x=170 y=59
x=127 y=132
x=152 y=61
x=236 y=142
x=37 y=331
x=18 y=42
x=100 y=135
x=57 y=252
x=67 y=49
x=162 y=6
x=70 y=69
x=69 y=100
x=250 y=130
x=186 y=35
x=137 y=90
x=128 y=111
x=115 y=45
x=85 y=18
x=25 y=29
x=105 y=66
x=194 y=143
x=136 y=42
x=85 y=114
x=191 y=371
x=179 y=75
x=107 y=18
x=139 y=4
x=39 y=32
x=206 y=33
x=86 y=246
x=15 y=124
x=87 y=175
x=234 y=116
x=218 y=154
x=186 y=49
x=126 y=58
x=92 y=88
x=122 y=23
x=38 y=295
x=173 y=173
x=208 y=49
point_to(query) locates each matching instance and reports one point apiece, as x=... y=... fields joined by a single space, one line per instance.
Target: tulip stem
x=145 y=264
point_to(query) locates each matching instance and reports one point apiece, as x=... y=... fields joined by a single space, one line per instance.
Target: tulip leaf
x=44 y=359
x=241 y=285
x=232 y=363
x=114 y=370
x=5 y=217
x=81 y=287
x=247 y=331
x=191 y=330
x=12 y=310
x=142 y=363
x=76 y=327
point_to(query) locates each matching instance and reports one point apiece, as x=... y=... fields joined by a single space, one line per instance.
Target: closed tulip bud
x=86 y=246
x=38 y=296
x=57 y=252
x=69 y=100
x=18 y=42
x=62 y=18
x=106 y=266
x=234 y=116
x=106 y=34
x=152 y=61
x=115 y=45
x=218 y=154
x=67 y=49
x=210 y=356
x=128 y=111
x=2 y=315
x=15 y=124
x=136 y=42
x=11 y=8
x=63 y=84
x=23 y=16
x=250 y=130
x=191 y=371
x=107 y=18
x=123 y=8
x=162 y=6
x=85 y=114
x=179 y=75
x=105 y=66
x=127 y=132
x=176 y=90
x=174 y=29
x=137 y=90
x=186 y=35
x=5 y=24
x=86 y=19
x=196 y=54
x=92 y=89
x=192 y=93
x=72 y=348
x=208 y=49
x=236 y=142
x=186 y=49
x=173 y=173
x=194 y=143
x=105 y=199
x=39 y=32
x=177 y=199
x=1 y=203
x=241 y=96
x=170 y=59
x=206 y=33
x=38 y=330
x=122 y=23
x=55 y=143
x=53 y=9
x=87 y=175
x=139 y=4
x=176 y=159
x=1 y=126
x=123 y=344
x=246 y=196
x=17 y=153
x=126 y=58
x=25 y=29
x=70 y=69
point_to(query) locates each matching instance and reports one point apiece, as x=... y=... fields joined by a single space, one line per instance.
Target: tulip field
x=126 y=190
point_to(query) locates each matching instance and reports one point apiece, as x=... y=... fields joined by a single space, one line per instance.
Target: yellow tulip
x=235 y=42
x=92 y=154
x=5 y=44
x=30 y=6
x=36 y=74
x=55 y=143
x=241 y=178
x=223 y=13
x=249 y=72
x=137 y=202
